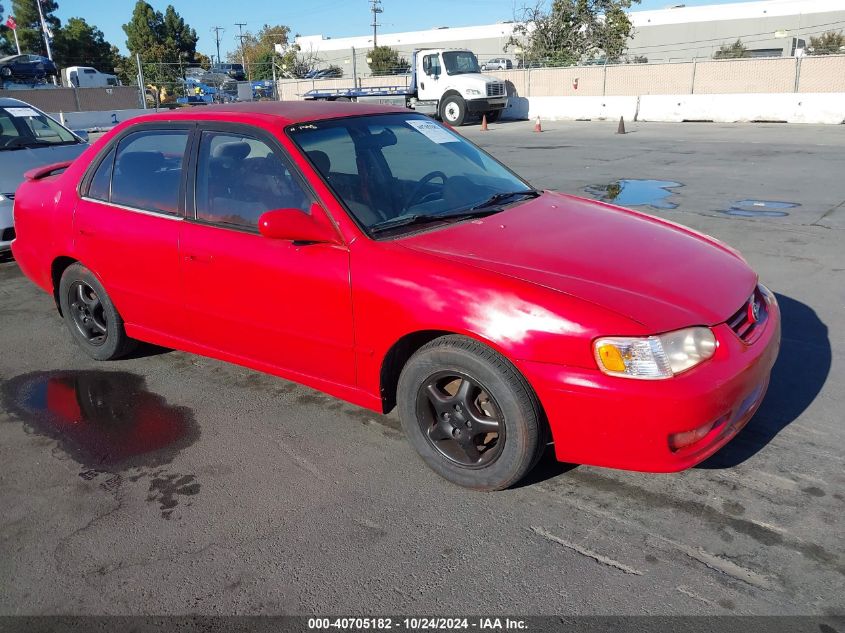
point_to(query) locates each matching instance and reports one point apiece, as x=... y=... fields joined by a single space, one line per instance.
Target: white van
x=87 y=77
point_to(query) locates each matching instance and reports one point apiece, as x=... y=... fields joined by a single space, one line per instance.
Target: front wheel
x=90 y=316
x=470 y=414
x=453 y=110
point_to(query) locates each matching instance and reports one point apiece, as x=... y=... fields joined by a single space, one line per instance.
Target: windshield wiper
x=405 y=220
x=498 y=198
x=424 y=218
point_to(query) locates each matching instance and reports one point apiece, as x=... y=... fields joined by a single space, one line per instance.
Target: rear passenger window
x=148 y=170
x=240 y=177
x=100 y=186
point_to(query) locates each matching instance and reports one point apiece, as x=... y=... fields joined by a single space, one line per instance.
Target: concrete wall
x=823 y=108
x=98 y=119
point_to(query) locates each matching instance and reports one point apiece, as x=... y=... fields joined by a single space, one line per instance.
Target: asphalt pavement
x=208 y=488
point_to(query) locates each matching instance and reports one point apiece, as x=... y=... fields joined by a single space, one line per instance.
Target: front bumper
x=486 y=104
x=617 y=422
x=6 y=225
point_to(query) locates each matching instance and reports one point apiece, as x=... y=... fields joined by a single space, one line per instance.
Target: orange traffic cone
x=621 y=128
x=537 y=126
x=483 y=122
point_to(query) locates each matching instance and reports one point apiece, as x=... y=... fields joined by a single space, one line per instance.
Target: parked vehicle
x=384 y=259
x=233 y=71
x=324 y=73
x=87 y=77
x=446 y=83
x=28 y=139
x=498 y=63
x=27 y=68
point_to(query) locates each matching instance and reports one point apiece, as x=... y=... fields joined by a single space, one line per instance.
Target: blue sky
x=335 y=18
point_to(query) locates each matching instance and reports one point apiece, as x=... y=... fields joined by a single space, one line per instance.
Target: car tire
x=93 y=321
x=493 y=116
x=453 y=110
x=452 y=394
x=6 y=71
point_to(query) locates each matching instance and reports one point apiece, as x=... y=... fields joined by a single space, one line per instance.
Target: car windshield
x=25 y=127
x=460 y=63
x=394 y=170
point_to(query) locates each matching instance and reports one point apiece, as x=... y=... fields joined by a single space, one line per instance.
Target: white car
x=498 y=63
x=28 y=139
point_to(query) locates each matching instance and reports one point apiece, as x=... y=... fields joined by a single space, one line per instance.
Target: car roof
x=8 y=102
x=284 y=112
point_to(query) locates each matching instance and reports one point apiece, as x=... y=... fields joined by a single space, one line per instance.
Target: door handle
x=86 y=232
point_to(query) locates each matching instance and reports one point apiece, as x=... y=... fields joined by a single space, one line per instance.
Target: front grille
x=743 y=322
x=8 y=235
x=495 y=90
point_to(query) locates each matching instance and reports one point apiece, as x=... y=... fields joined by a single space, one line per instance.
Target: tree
x=165 y=43
x=6 y=36
x=384 y=60
x=829 y=43
x=78 y=43
x=732 y=51
x=259 y=51
x=29 y=25
x=574 y=31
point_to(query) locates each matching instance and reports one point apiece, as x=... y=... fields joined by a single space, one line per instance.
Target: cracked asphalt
x=193 y=486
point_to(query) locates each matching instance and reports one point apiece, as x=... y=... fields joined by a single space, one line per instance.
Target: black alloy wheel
x=87 y=313
x=460 y=419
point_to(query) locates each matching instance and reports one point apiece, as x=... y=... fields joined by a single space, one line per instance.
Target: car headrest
x=321 y=161
x=236 y=150
x=131 y=163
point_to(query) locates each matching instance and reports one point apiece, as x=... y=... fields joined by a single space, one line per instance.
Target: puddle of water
x=101 y=419
x=760 y=208
x=636 y=193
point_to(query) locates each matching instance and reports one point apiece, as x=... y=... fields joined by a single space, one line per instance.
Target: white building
x=770 y=28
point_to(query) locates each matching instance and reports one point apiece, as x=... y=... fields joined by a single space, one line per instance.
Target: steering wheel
x=422 y=183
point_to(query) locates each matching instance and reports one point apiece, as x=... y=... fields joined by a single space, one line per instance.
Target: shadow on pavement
x=798 y=376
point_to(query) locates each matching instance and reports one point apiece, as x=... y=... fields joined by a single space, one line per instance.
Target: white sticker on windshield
x=433 y=131
x=19 y=112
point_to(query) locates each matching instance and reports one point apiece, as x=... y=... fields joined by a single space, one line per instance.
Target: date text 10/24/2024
x=417 y=624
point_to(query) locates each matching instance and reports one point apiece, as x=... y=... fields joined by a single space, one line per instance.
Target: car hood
x=15 y=163
x=659 y=274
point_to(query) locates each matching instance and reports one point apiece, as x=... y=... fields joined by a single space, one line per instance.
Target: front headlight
x=2 y=197
x=654 y=357
x=472 y=91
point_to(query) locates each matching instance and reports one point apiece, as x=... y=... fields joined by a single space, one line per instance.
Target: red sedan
x=378 y=256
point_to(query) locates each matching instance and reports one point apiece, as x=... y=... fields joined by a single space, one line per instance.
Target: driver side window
x=240 y=177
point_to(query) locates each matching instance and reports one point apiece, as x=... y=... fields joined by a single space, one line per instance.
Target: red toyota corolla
x=378 y=256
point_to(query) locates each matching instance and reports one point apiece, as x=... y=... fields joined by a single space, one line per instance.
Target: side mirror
x=293 y=224
x=83 y=134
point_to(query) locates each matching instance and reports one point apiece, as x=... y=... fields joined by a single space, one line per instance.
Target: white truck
x=87 y=77
x=445 y=82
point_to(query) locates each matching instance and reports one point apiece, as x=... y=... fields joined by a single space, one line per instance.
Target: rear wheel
x=469 y=414
x=453 y=110
x=91 y=317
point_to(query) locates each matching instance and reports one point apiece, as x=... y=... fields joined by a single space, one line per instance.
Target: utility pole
x=241 y=36
x=375 y=7
x=217 y=30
